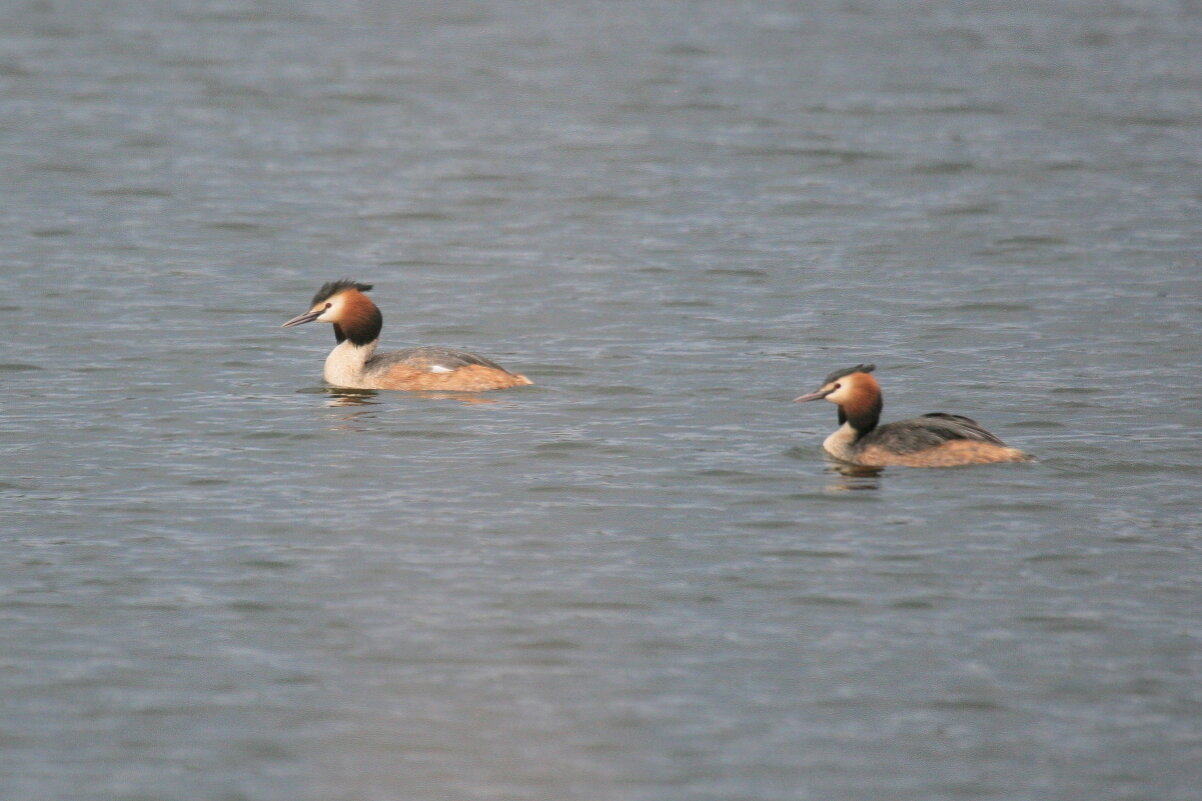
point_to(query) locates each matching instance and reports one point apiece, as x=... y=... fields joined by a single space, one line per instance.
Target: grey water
x=640 y=578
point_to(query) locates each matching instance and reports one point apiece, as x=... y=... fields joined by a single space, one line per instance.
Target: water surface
x=640 y=578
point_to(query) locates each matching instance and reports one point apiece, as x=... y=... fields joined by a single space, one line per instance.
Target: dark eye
x=836 y=387
x=328 y=305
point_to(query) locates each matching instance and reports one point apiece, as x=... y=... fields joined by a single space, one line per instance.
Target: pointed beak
x=809 y=396
x=307 y=317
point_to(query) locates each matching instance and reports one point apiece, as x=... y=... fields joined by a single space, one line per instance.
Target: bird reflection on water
x=340 y=396
x=852 y=477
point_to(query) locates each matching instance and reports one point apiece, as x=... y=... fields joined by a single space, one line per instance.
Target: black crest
x=332 y=288
x=859 y=368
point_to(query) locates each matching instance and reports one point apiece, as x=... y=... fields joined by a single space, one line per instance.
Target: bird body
x=937 y=439
x=355 y=364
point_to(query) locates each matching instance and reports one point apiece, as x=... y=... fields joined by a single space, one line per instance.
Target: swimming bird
x=933 y=440
x=354 y=363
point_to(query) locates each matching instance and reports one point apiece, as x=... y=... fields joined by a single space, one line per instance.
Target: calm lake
x=639 y=579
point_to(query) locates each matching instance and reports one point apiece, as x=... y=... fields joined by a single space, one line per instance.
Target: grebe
x=354 y=363
x=933 y=440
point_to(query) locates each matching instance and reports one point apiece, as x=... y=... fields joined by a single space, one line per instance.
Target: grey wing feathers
x=929 y=431
x=427 y=358
x=961 y=427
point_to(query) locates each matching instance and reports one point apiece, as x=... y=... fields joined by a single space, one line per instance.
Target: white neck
x=345 y=364
x=839 y=443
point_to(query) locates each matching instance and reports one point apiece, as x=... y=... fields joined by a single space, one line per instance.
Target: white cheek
x=438 y=368
x=838 y=396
